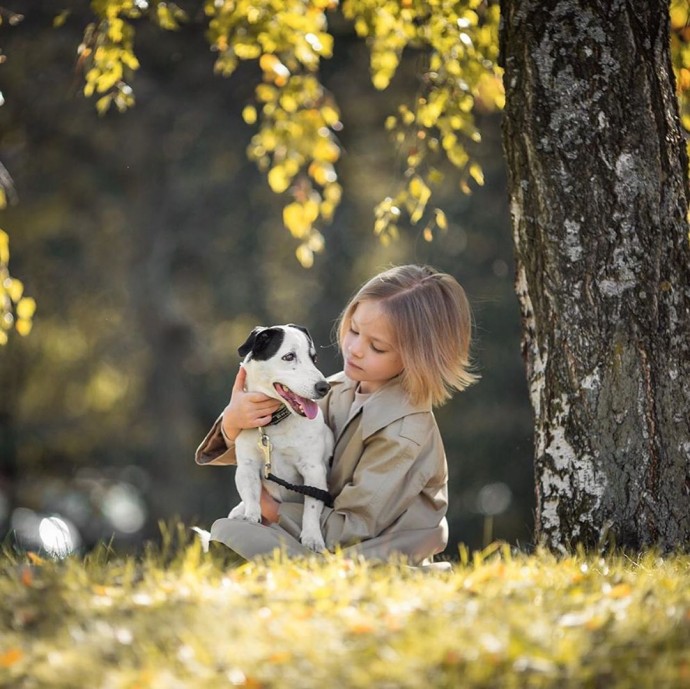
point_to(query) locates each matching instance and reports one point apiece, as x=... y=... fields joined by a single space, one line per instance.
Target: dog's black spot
x=263 y=343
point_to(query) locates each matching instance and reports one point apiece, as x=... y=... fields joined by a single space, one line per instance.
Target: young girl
x=405 y=339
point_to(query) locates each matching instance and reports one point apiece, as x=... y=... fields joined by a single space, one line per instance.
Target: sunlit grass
x=178 y=617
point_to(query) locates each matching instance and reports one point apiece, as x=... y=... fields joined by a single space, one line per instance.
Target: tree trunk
x=599 y=199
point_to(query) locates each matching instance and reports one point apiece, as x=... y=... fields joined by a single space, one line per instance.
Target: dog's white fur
x=301 y=447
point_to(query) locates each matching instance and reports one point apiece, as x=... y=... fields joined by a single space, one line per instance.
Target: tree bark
x=599 y=198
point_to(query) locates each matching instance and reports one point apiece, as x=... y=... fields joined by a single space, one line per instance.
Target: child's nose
x=355 y=349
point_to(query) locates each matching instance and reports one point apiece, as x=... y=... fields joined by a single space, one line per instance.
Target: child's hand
x=246 y=409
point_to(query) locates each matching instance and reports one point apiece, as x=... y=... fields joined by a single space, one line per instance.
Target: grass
x=177 y=617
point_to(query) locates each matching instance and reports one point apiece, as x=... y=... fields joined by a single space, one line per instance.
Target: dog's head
x=281 y=362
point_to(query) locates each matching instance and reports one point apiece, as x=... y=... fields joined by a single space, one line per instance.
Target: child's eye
x=353 y=331
x=377 y=350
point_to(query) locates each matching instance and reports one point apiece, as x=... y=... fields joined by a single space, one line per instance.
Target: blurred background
x=152 y=246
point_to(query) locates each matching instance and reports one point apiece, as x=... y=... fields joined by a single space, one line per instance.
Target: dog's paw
x=313 y=542
x=253 y=516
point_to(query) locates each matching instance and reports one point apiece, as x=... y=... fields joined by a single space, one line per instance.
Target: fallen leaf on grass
x=10 y=657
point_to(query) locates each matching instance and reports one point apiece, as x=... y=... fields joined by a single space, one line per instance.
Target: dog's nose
x=322 y=387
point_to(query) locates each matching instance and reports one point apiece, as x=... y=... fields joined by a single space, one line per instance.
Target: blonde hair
x=432 y=324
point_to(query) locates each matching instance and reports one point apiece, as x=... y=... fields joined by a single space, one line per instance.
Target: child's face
x=370 y=357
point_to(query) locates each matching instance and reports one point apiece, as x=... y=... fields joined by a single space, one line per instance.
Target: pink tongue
x=311 y=409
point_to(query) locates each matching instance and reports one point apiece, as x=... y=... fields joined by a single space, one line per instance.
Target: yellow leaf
x=316 y=241
x=326 y=209
x=273 y=67
x=3 y=199
x=10 y=657
x=322 y=173
x=684 y=79
x=3 y=338
x=289 y=103
x=419 y=190
x=265 y=93
x=679 y=15
x=333 y=193
x=23 y=327
x=247 y=51
x=476 y=174
x=362 y=628
x=26 y=308
x=387 y=61
x=267 y=61
x=305 y=256
x=330 y=115
x=296 y=219
x=279 y=657
x=441 y=219
x=326 y=150
x=380 y=81
x=4 y=248
x=621 y=591
x=35 y=559
x=490 y=93
x=14 y=288
x=103 y=103
x=278 y=179
x=61 y=18
x=249 y=114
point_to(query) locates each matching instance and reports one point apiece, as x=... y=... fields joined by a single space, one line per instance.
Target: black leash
x=323 y=495
x=266 y=447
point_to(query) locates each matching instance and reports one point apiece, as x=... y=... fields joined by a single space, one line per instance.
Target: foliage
x=16 y=310
x=298 y=119
x=680 y=55
x=179 y=618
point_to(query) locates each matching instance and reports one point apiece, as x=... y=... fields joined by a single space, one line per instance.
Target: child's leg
x=249 y=540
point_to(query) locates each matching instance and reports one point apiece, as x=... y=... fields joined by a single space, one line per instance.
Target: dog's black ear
x=248 y=345
x=303 y=329
x=263 y=343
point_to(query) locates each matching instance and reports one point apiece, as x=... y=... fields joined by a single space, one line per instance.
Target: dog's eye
x=290 y=356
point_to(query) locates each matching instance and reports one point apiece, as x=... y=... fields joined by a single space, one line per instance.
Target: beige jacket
x=389 y=477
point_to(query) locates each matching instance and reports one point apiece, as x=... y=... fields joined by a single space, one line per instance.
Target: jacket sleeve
x=390 y=475
x=214 y=448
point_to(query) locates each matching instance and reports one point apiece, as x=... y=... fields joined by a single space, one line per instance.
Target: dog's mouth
x=300 y=405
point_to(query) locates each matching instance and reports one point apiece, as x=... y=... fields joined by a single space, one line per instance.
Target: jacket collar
x=389 y=403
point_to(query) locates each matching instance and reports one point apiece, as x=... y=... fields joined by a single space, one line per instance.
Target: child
x=405 y=339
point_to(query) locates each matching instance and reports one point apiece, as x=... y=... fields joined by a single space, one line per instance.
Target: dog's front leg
x=248 y=482
x=311 y=536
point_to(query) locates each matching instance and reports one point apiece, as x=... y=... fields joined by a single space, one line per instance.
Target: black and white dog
x=280 y=362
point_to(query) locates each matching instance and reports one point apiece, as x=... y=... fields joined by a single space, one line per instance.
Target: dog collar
x=279 y=415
